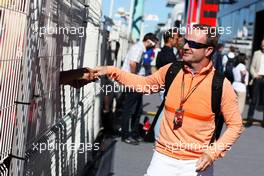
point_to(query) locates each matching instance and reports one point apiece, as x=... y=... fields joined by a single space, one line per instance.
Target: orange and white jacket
x=193 y=137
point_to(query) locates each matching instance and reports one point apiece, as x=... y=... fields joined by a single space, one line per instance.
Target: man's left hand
x=204 y=161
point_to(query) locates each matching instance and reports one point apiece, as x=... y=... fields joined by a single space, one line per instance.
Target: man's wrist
x=211 y=154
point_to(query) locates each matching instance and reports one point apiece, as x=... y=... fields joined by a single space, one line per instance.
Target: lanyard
x=184 y=99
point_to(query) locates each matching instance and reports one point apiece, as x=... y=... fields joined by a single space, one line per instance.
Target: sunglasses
x=195 y=45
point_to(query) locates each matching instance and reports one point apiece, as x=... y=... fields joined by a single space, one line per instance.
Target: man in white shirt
x=132 y=103
x=257 y=72
x=229 y=55
x=240 y=80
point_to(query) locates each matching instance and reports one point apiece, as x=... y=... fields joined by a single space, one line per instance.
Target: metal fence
x=38 y=39
x=12 y=37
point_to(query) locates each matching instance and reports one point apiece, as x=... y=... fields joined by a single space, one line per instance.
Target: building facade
x=46 y=128
x=201 y=11
x=246 y=20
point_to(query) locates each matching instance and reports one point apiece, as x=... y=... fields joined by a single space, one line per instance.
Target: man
x=108 y=118
x=218 y=57
x=257 y=72
x=228 y=64
x=148 y=57
x=132 y=103
x=184 y=149
x=166 y=55
x=229 y=56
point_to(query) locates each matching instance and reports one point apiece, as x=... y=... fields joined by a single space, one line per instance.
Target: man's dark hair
x=212 y=35
x=240 y=58
x=219 y=46
x=170 y=33
x=232 y=48
x=150 y=36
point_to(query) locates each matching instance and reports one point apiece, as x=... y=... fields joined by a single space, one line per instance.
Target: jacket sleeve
x=148 y=84
x=253 y=66
x=233 y=121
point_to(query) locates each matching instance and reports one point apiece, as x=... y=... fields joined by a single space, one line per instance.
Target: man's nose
x=186 y=46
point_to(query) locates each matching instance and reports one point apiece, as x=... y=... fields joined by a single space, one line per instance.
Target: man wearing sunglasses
x=184 y=145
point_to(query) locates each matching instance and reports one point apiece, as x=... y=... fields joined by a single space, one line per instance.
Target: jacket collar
x=204 y=71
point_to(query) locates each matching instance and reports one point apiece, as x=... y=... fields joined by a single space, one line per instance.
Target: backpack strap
x=216 y=98
x=227 y=56
x=170 y=75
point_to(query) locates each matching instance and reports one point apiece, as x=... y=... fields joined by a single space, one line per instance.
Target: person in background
x=228 y=64
x=148 y=57
x=257 y=72
x=230 y=55
x=218 y=57
x=240 y=80
x=132 y=102
x=156 y=50
x=109 y=121
x=167 y=55
x=180 y=50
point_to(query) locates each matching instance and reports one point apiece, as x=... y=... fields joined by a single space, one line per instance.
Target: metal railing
x=35 y=109
x=12 y=18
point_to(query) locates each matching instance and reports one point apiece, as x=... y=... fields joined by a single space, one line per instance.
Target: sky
x=152 y=7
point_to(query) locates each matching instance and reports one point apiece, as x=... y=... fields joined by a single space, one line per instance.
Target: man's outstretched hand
x=88 y=75
x=100 y=71
x=77 y=78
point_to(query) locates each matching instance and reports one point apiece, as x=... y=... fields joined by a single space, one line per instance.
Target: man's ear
x=208 y=51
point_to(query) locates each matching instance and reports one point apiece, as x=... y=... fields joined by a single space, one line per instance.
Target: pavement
x=246 y=157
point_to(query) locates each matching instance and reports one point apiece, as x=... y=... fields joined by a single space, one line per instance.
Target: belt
x=191 y=115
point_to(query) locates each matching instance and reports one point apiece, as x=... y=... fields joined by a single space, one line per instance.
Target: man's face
x=262 y=46
x=150 y=44
x=174 y=40
x=180 y=42
x=221 y=49
x=193 y=54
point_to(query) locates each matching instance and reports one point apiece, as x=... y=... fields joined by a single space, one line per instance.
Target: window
x=210 y=14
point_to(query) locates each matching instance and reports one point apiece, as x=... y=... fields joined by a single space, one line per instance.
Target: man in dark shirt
x=166 y=55
x=218 y=57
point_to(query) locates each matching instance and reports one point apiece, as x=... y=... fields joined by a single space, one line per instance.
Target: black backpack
x=229 y=69
x=217 y=86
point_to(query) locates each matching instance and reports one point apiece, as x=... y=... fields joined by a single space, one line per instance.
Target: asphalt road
x=246 y=157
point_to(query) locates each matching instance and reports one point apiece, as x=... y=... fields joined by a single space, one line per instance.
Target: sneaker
x=130 y=140
x=248 y=123
x=139 y=139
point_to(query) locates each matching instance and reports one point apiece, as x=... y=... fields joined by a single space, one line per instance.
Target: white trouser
x=162 y=165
